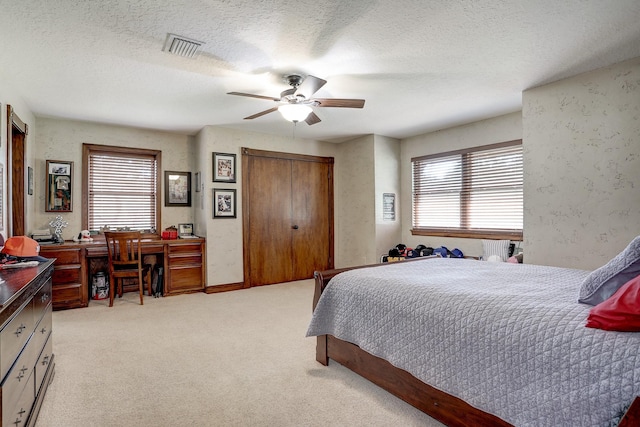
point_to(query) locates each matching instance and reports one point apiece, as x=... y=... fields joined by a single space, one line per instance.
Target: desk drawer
x=185 y=248
x=183 y=279
x=62 y=256
x=67 y=274
x=68 y=296
x=187 y=259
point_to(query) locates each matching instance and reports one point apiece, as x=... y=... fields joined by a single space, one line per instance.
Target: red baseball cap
x=21 y=246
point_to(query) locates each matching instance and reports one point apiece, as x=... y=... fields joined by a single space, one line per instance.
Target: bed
x=479 y=343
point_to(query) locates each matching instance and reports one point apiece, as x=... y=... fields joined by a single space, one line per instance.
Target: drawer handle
x=44 y=298
x=18 y=331
x=18 y=420
x=21 y=374
x=45 y=360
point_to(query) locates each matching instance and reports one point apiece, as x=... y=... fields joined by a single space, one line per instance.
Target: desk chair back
x=125 y=260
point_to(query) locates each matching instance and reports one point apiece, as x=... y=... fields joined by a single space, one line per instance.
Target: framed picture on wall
x=224 y=203
x=30 y=180
x=224 y=167
x=59 y=186
x=177 y=188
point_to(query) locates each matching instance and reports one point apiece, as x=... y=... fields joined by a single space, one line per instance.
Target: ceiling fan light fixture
x=295 y=112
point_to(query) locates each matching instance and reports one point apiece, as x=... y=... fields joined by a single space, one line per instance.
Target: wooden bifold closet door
x=287 y=216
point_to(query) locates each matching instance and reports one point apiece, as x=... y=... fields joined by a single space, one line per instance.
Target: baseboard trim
x=223 y=288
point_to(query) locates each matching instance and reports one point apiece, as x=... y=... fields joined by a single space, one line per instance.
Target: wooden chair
x=125 y=261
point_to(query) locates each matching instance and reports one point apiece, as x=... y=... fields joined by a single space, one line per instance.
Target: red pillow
x=621 y=312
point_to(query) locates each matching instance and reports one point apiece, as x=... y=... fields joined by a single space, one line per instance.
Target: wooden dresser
x=183 y=262
x=26 y=355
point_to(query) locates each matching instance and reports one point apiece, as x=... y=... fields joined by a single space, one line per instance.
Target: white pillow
x=495 y=248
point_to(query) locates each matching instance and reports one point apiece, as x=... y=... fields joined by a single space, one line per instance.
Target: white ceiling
x=421 y=65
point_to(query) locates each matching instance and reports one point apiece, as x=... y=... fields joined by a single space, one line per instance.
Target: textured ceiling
x=421 y=65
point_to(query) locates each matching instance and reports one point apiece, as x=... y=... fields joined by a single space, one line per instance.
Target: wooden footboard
x=444 y=407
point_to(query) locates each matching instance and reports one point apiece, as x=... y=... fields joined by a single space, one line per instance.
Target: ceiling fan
x=295 y=103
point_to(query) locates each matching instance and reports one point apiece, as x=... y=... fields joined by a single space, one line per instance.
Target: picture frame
x=177 y=188
x=224 y=167
x=30 y=180
x=59 y=186
x=185 y=230
x=198 y=182
x=224 y=203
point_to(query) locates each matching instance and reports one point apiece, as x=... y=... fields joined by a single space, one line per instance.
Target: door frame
x=17 y=132
x=246 y=202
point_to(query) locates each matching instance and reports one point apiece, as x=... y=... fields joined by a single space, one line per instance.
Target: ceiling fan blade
x=312 y=119
x=309 y=86
x=336 y=102
x=262 y=113
x=250 y=95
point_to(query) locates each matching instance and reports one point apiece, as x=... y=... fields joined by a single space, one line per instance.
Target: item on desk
x=18 y=264
x=23 y=248
x=170 y=233
x=83 y=236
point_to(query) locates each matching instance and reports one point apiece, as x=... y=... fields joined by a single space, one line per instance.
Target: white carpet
x=229 y=359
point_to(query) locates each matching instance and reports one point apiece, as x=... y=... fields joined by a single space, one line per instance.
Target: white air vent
x=182 y=46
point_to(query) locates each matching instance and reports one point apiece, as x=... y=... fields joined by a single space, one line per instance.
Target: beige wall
x=498 y=129
x=63 y=139
x=581 y=141
x=355 y=199
x=387 y=180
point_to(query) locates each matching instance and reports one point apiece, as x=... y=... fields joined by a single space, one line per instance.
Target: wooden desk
x=183 y=260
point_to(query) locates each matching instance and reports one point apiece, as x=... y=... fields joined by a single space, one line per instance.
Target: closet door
x=287 y=216
x=269 y=212
x=310 y=218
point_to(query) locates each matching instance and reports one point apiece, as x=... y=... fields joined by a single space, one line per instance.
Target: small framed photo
x=224 y=167
x=177 y=188
x=59 y=186
x=30 y=180
x=185 y=230
x=224 y=203
x=198 y=182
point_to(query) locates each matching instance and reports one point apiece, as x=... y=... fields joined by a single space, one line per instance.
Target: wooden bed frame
x=444 y=407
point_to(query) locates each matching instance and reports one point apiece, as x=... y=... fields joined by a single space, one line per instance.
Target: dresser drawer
x=19 y=376
x=43 y=329
x=16 y=409
x=14 y=336
x=41 y=300
x=43 y=362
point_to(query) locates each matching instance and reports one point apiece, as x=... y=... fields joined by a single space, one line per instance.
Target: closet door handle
x=295 y=227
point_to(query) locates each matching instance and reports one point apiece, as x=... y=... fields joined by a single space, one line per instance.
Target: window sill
x=469 y=234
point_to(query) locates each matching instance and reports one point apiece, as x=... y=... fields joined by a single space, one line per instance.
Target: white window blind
x=476 y=189
x=122 y=191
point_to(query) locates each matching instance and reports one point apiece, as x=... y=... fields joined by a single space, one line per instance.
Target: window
x=120 y=187
x=469 y=193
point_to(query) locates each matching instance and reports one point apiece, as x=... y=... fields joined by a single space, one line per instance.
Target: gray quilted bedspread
x=506 y=338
